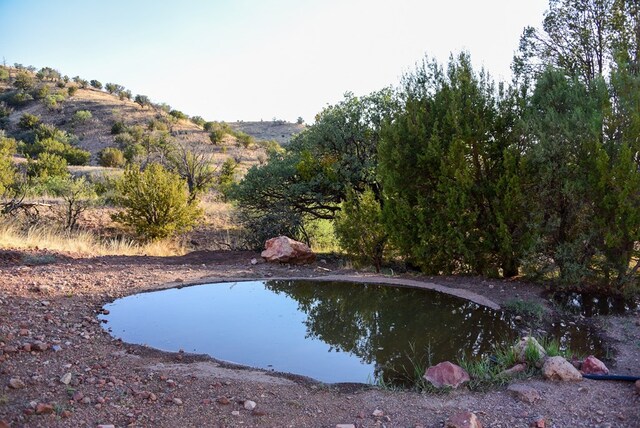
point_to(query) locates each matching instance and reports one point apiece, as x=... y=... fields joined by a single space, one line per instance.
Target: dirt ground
x=59 y=367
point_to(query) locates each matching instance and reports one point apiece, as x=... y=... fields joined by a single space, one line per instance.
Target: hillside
x=106 y=109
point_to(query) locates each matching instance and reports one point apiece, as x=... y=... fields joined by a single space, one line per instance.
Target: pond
x=329 y=331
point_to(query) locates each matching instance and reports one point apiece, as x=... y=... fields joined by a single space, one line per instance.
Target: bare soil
x=49 y=328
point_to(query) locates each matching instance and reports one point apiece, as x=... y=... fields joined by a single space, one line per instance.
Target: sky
x=258 y=59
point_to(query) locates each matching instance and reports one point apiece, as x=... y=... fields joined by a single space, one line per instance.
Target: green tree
x=7 y=166
x=23 y=81
x=96 y=84
x=142 y=100
x=113 y=88
x=360 y=229
x=195 y=168
x=155 y=201
x=449 y=168
x=47 y=165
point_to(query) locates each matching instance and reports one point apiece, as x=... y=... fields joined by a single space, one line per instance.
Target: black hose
x=611 y=377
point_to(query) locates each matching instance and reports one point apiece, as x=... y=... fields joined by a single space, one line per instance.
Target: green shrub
x=178 y=114
x=209 y=126
x=28 y=121
x=4 y=74
x=96 y=84
x=114 y=88
x=23 y=81
x=124 y=94
x=111 y=157
x=71 y=90
x=216 y=135
x=82 y=116
x=155 y=202
x=118 y=128
x=142 y=100
x=7 y=166
x=198 y=120
x=244 y=139
x=20 y=98
x=76 y=156
x=360 y=230
x=41 y=92
x=47 y=165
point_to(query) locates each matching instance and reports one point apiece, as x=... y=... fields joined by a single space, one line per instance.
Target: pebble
x=66 y=378
x=16 y=383
x=44 y=409
x=377 y=413
x=249 y=405
x=177 y=401
x=235 y=413
x=345 y=426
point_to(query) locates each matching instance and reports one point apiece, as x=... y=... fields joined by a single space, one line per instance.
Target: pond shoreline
x=55 y=304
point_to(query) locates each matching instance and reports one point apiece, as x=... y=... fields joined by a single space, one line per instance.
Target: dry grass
x=82 y=242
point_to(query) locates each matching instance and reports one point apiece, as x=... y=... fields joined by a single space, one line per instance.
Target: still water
x=329 y=331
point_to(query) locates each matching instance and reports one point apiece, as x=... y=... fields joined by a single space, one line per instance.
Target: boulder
x=286 y=250
x=513 y=371
x=446 y=374
x=592 y=365
x=557 y=368
x=463 y=420
x=525 y=343
x=524 y=393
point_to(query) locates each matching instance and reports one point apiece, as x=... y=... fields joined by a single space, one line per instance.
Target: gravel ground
x=58 y=367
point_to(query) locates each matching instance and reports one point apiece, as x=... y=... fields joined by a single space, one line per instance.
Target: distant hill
x=277 y=130
x=106 y=109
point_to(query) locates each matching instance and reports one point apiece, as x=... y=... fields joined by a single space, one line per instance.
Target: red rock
x=26 y=347
x=4 y=424
x=285 y=250
x=463 y=420
x=446 y=374
x=592 y=365
x=44 y=409
x=223 y=400
x=538 y=422
x=638 y=387
x=16 y=383
x=518 y=368
x=258 y=412
x=77 y=396
x=23 y=332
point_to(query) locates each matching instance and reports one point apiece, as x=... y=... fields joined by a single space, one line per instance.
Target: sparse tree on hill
x=142 y=100
x=195 y=168
x=23 y=81
x=96 y=84
x=114 y=88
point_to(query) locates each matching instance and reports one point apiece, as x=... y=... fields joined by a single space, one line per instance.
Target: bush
x=360 y=230
x=82 y=116
x=143 y=100
x=4 y=74
x=41 y=92
x=28 y=121
x=124 y=95
x=76 y=156
x=20 y=98
x=217 y=135
x=71 y=90
x=96 y=84
x=111 y=157
x=23 y=81
x=245 y=140
x=198 y=120
x=155 y=202
x=208 y=126
x=114 y=88
x=118 y=128
x=178 y=114
x=47 y=165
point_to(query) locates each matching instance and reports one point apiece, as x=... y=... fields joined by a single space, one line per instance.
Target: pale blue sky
x=258 y=59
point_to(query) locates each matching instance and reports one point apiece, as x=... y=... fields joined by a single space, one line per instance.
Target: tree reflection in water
x=396 y=328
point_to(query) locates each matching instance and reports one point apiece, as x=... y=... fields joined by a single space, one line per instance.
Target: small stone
x=44 y=409
x=446 y=374
x=258 y=412
x=557 y=368
x=513 y=371
x=592 y=365
x=23 y=332
x=77 y=396
x=106 y=426
x=177 y=401
x=56 y=348
x=153 y=397
x=235 y=413
x=638 y=387
x=65 y=414
x=86 y=400
x=463 y=420
x=377 y=413
x=26 y=347
x=4 y=424
x=249 y=405
x=40 y=346
x=66 y=378
x=538 y=422
x=16 y=383
x=254 y=261
x=223 y=400
x=345 y=426
x=524 y=393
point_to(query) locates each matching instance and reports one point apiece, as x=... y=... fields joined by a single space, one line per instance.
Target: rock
x=513 y=371
x=16 y=383
x=235 y=413
x=524 y=393
x=254 y=261
x=525 y=343
x=39 y=345
x=66 y=378
x=377 y=413
x=463 y=420
x=638 y=387
x=223 y=400
x=538 y=422
x=258 y=412
x=77 y=396
x=249 y=405
x=44 y=409
x=345 y=426
x=177 y=401
x=557 y=368
x=446 y=374
x=106 y=426
x=285 y=250
x=4 y=424
x=592 y=365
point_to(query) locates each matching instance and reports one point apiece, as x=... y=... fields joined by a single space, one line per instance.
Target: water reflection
x=330 y=331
